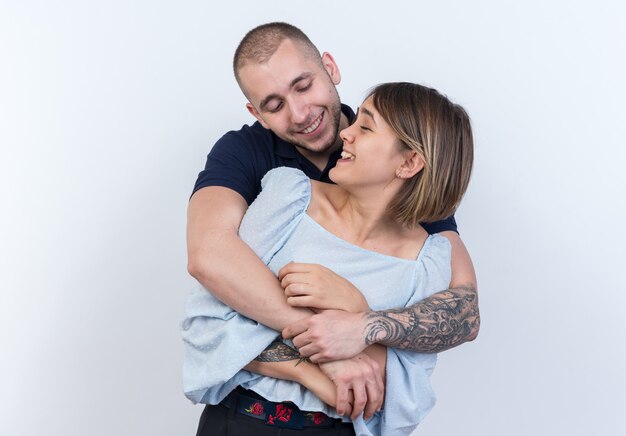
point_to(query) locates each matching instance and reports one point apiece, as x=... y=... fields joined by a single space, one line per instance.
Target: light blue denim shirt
x=219 y=342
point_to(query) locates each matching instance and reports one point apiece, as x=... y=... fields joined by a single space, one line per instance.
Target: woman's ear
x=413 y=163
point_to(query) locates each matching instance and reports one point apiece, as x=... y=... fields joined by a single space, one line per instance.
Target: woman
x=407 y=159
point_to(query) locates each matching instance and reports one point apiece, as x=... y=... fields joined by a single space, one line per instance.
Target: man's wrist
x=383 y=326
x=368 y=319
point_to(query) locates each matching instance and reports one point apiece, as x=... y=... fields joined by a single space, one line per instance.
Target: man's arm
x=225 y=265
x=442 y=321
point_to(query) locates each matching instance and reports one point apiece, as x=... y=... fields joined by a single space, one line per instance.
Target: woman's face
x=371 y=152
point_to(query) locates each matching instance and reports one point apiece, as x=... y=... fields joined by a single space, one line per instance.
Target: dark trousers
x=219 y=420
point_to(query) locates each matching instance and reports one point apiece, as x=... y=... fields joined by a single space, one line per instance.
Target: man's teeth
x=313 y=126
x=347 y=155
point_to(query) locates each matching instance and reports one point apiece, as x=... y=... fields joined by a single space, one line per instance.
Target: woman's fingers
x=295 y=267
x=292 y=278
x=302 y=301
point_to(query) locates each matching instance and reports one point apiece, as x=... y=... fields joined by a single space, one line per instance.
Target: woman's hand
x=314 y=286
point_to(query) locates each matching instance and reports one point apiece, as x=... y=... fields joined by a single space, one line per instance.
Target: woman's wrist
x=311 y=377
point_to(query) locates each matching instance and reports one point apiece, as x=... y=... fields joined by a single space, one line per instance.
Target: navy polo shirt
x=240 y=159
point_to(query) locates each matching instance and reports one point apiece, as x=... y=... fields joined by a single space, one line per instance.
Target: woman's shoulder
x=439 y=243
x=410 y=242
x=324 y=199
x=284 y=176
x=436 y=256
x=284 y=191
x=276 y=212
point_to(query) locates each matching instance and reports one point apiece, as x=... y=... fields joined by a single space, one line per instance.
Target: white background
x=107 y=111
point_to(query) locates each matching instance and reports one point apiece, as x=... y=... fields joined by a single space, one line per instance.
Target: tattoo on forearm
x=442 y=321
x=280 y=352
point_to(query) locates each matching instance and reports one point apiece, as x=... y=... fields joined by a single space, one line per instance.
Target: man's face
x=296 y=98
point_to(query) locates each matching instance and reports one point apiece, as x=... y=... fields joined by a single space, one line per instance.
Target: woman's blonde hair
x=439 y=132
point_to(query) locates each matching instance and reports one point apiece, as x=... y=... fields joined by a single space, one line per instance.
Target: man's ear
x=413 y=164
x=331 y=67
x=255 y=114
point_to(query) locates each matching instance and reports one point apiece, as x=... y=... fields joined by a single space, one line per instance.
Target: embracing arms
x=442 y=321
x=225 y=265
x=234 y=274
x=280 y=361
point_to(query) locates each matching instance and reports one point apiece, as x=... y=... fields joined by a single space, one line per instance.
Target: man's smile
x=313 y=126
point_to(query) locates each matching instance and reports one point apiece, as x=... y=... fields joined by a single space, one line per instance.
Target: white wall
x=107 y=110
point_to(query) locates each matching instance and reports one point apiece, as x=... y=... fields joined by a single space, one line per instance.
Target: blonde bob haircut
x=439 y=132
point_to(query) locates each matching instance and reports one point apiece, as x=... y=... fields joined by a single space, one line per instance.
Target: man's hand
x=329 y=335
x=314 y=286
x=359 y=381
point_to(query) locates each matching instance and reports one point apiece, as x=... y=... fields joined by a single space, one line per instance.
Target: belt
x=285 y=414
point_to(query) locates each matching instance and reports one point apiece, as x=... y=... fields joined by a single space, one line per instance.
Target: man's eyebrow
x=294 y=82
x=300 y=78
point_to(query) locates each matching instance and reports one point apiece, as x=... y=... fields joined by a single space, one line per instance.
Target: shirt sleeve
x=232 y=163
x=219 y=341
x=276 y=212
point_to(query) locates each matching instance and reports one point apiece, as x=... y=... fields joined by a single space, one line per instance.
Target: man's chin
x=317 y=148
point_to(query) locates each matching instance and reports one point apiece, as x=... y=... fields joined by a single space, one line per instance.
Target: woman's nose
x=346 y=135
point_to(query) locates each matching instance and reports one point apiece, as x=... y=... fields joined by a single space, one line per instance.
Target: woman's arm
x=336 y=334
x=281 y=361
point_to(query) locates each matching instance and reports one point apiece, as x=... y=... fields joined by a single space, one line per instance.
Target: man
x=291 y=92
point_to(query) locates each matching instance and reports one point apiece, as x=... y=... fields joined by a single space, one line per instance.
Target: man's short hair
x=261 y=43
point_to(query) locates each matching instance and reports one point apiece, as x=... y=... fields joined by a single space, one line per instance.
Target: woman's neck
x=361 y=219
x=364 y=216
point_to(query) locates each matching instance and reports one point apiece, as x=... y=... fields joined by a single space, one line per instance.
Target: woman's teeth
x=347 y=155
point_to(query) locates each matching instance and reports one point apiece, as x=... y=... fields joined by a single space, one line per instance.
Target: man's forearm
x=234 y=274
x=440 y=322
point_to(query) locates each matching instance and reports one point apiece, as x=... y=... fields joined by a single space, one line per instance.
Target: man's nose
x=299 y=112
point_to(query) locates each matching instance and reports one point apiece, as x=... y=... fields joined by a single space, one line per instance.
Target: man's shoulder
x=253 y=136
x=348 y=112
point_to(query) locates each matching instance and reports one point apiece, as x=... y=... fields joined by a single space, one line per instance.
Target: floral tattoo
x=440 y=322
x=278 y=351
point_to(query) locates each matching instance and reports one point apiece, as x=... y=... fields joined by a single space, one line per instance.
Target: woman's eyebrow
x=366 y=112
